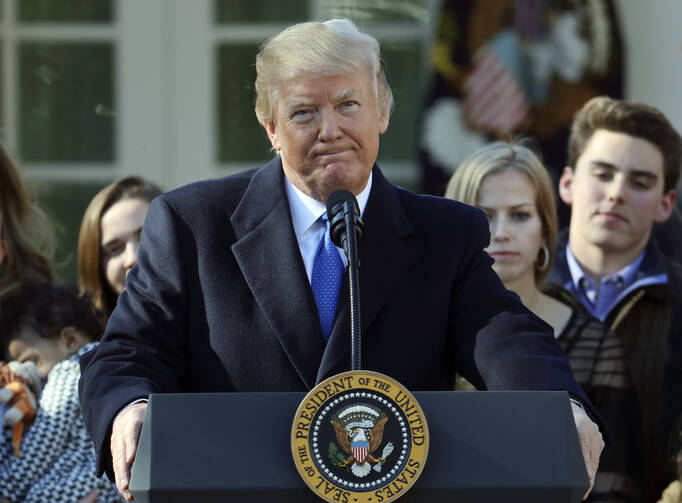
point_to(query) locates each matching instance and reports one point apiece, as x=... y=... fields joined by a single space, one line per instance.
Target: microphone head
x=337 y=201
x=338 y=197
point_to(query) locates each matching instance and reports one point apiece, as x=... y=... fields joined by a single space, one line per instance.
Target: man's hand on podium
x=591 y=442
x=125 y=434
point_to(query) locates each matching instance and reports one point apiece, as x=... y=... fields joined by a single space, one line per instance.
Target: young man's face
x=616 y=194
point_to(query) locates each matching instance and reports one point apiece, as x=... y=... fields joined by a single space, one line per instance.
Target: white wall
x=652 y=33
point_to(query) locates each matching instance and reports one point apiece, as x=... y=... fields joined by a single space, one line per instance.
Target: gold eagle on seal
x=359 y=431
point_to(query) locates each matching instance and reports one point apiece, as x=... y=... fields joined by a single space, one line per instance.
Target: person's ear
x=566 y=185
x=384 y=116
x=271 y=128
x=72 y=338
x=666 y=206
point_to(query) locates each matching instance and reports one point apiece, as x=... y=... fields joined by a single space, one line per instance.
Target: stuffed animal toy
x=19 y=387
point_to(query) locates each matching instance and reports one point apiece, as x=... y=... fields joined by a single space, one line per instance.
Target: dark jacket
x=648 y=319
x=220 y=301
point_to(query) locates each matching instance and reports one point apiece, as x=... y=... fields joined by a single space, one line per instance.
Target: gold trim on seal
x=359 y=403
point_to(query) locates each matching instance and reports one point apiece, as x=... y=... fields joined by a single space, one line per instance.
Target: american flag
x=494 y=99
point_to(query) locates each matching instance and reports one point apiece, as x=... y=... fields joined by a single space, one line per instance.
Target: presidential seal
x=359 y=436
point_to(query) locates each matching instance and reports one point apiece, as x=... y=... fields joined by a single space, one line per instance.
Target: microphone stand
x=346 y=230
x=350 y=247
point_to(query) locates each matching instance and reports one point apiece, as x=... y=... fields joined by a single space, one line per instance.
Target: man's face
x=616 y=194
x=326 y=130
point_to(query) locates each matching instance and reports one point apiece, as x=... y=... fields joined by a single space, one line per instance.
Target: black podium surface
x=484 y=447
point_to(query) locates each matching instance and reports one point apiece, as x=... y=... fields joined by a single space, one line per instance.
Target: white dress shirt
x=309 y=229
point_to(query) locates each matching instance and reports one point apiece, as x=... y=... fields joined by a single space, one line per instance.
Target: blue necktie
x=326 y=280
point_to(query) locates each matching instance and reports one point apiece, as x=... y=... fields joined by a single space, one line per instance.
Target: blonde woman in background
x=510 y=184
x=26 y=238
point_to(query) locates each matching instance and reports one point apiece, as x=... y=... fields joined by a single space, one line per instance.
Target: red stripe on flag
x=494 y=100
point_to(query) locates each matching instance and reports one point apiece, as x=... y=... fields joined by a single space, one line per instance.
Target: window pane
x=240 y=136
x=67 y=103
x=403 y=61
x=64 y=203
x=260 y=11
x=99 y=11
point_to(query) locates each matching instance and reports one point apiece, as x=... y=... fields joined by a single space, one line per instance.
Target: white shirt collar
x=305 y=210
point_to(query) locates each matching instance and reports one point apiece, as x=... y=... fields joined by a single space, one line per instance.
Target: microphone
x=346 y=225
x=343 y=213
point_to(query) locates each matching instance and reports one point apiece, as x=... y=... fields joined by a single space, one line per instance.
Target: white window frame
x=165 y=78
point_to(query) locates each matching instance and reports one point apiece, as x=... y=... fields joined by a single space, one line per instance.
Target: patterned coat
x=57 y=460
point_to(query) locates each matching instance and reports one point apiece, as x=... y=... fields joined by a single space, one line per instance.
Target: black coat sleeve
x=142 y=350
x=501 y=345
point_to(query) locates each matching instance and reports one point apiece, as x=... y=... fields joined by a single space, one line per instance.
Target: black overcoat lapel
x=269 y=258
x=385 y=254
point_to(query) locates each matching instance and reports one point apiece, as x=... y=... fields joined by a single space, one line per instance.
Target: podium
x=512 y=446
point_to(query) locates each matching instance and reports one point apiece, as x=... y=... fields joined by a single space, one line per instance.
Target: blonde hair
x=25 y=232
x=334 y=47
x=465 y=185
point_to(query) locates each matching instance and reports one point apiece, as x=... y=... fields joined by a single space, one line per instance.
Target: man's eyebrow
x=643 y=173
x=295 y=103
x=344 y=94
x=604 y=164
x=635 y=172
